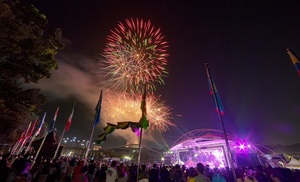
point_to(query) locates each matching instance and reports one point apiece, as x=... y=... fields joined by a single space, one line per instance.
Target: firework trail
x=125 y=107
x=135 y=55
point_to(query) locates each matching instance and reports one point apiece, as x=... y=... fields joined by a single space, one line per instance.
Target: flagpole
x=96 y=120
x=24 y=141
x=22 y=145
x=30 y=143
x=57 y=148
x=38 y=152
x=143 y=108
x=54 y=120
x=16 y=146
x=43 y=141
x=89 y=144
x=222 y=122
x=36 y=134
x=68 y=124
x=20 y=140
x=139 y=156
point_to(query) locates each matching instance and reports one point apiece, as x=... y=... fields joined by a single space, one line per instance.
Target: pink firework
x=135 y=55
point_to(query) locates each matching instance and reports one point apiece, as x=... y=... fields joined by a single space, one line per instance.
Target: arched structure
x=208 y=147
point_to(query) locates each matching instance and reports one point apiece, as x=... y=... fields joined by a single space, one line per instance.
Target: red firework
x=135 y=55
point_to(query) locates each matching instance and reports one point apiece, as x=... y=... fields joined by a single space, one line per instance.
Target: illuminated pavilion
x=208 y=147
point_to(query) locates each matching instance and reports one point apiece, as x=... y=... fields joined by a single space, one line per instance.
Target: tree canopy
x=27 y=50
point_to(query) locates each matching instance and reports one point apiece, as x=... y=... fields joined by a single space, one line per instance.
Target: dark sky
x=244 y=43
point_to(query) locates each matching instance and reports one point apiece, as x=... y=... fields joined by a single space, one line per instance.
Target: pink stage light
x=242 y=146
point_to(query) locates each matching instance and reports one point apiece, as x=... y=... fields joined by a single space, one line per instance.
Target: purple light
x=242 y=146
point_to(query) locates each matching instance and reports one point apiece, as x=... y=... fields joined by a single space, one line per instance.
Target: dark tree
x=27 y=50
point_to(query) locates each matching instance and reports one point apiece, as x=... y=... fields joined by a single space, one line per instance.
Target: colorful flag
x=213 y=90
x=41 y=125
x=110 y=128
x=25 y=134
x=294 y=59
x=32 y=128
x=70 y=117
x=28 y=129
x=17 y=144
x=98 y=110
x=124 y=125
x=143 y=121
x=23 y=140
x=54 y=120
x=101 y=138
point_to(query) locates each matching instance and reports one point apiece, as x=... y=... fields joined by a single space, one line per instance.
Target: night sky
x=244 y=43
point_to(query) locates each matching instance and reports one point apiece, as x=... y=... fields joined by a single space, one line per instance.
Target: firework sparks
x=124 y=107
x=134 y=55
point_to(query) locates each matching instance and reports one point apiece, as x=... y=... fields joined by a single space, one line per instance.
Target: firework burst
x=125 y=107
x=135 y=55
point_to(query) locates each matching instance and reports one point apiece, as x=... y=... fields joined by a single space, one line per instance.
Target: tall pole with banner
x=96 y=121
x=220 y=113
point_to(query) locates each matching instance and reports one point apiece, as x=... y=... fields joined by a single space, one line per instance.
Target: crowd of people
x=66 y=169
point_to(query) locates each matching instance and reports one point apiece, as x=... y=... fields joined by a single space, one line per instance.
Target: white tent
x=293 y=164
